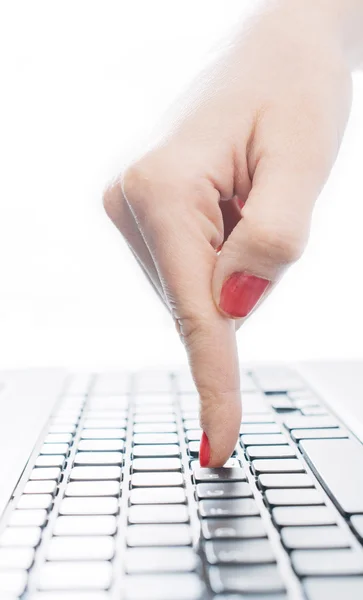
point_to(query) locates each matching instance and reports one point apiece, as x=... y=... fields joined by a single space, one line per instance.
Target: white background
x=80 y=81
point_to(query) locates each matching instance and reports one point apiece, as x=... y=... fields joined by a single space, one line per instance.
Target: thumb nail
x=204 y=451
x=240 y=293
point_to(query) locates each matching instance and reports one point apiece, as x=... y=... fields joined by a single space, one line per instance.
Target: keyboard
x=113 y=503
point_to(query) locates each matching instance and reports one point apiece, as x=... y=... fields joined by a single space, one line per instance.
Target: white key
x=40 y=487
x=154 y=450
x=62 y=428
x=95 y=525
x=175 y=513
x=16 y=558
x=160 y=495
x=98 y=458
x=155 y=428
x=101 y=445
x=186 y=586
x=89 y=506
x=111 y=403
x=153 y=560
x=28 y=518
x=157 y=464
x=58 y=438
x=20 y=537
x=94 y=473
x=35 y=501
x=113 y=382
x=103 y=434
x=75 y=576
x=159 y=535
x=157 y=479
x=50 y=460
x=93 y=488
x=153 y=399
x=51 y=473
x=106 y=414
x=54 y=449
x=13 y=582
x=81 y=548
x=105 y=423
x=69 y=596
x=155 y=438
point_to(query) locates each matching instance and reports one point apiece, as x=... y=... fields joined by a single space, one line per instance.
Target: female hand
x=238 y=167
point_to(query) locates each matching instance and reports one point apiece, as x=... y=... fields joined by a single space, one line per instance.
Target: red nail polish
x=204 y=451
x=240 y=293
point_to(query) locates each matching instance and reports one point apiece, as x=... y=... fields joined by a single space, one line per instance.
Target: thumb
x=271 y=234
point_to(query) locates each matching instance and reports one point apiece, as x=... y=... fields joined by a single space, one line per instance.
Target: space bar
x=337 y=463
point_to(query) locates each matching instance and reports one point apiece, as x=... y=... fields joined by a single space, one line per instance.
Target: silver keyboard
x=113 y=503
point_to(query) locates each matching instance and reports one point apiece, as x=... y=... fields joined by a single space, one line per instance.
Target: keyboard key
x=334 y=588
x=50 y=460
x=338 y=465
x=35 y=501
x=98 y=458
x=158 y=495
x=110 y=383
x=282 y=480
x=276 y=379
x=259 y=428
x=156 y=450
x=303 y=516
x=16 y=558
x=81 y=548
x=40 y=474
x=314 y=538
x=186 y=586
x=327 y=562
x=202 y=475
x=301 y=422
x=152 y=418
x=105 y=424
x=74 y=596
x=244 y=507
x=257 y=551
x=74 y=576
x=279 y=465
x=95 y=525
x=159 y=535
x=156 y=464
x=177 y=513
x=305 y=434
x=266 y=417
x=193 y=435
x=153 y=399
x=54 y=449
x=313 y=410
x=269 y=439
x=101 y=445
x=106 y=414
x=294 y=497
x=163 y=560
x=155 y=428
x=192 y=424
x=243 y=528
x=58 y=438
x=12 y=582
x=255 y=402
x=246 y=579
x=28 y=518
x=155 y=438
x=40 y=487
x=20 y=537
x=281 y=402
x=357 y=524
x=93 y=488
x=95 y=473
x=253 y=452
x=89 y=506
x=103 y=434
x=157 y=479
x=62 y=428
x=224 y=490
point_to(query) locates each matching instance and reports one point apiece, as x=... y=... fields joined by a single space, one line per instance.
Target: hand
x=238 y=167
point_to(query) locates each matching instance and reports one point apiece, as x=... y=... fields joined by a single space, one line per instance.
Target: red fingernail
x=204 y=451
x=240 y=293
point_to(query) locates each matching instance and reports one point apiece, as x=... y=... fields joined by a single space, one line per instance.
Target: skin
x=263 y=123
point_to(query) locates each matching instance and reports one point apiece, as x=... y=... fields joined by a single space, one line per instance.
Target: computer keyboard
x=114 y=504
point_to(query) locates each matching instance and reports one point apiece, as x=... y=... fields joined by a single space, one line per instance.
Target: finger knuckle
x=280 y=243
